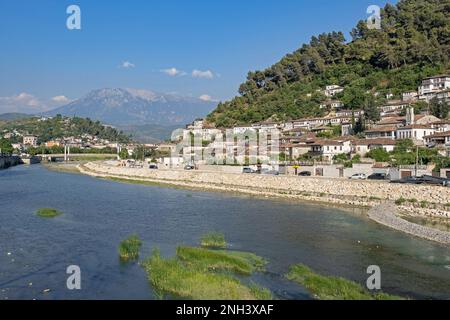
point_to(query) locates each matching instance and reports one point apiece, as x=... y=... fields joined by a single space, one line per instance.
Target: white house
x=332 y=104
x=440 y=140
x=363 y=146
x=329 y=148
x=332 y=90
x=349 y=113
x=30 y=140
x=410 y=96
x=434 y=84
x=393 y=106
x=242 y=129
x=431 y=86
x=416 y=132
x=388 y=131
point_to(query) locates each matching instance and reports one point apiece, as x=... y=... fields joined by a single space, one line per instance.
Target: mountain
x=148 y=133
x=136 y=107
x=413 y=43
x=14 y=116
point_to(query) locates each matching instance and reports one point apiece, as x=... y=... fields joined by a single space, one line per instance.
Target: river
x=98 y=214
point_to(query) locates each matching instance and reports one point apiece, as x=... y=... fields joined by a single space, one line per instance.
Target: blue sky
x=154 y=45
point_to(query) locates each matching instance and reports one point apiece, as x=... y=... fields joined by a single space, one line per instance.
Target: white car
x=358 y=176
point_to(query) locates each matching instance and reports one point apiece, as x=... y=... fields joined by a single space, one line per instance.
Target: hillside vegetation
x=59 y=127
x=413 y=43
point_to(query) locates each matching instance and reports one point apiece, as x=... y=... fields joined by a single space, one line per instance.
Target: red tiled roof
x=415 y=126
x=439 y=135
x=382 y=129
x=379 y=141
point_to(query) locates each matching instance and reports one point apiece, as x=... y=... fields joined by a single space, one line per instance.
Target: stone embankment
x=387 y=215
x=7 y=161
x=335 y=191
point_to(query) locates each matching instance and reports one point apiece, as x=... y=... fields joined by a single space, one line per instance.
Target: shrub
x=48 y=213
x=213 y=240
x=129 y=248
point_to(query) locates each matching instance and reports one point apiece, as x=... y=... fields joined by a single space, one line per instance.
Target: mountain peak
x=121 y=106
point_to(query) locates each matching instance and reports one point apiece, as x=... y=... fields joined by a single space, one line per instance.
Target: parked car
x=248 y=170
x=153 y=166
x=410 y=180
x=377 y=176
x=189 y=167
x=305 y=174
x=436 y=180
x=358 y=176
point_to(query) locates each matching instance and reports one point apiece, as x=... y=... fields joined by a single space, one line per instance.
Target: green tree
x=379 y=155
x=439 y=109
x=370 y=108
x=123 y=154
x=6 y=146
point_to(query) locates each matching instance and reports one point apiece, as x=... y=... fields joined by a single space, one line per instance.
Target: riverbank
x=67 y=167
x=9 y=161
x=416 y=200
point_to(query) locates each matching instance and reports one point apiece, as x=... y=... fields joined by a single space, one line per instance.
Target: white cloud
x=60 y=99
x=208 y=74
x=173 y=72
x=27 y=103
x=127 y=65
x=205 y=97
x=22 y=102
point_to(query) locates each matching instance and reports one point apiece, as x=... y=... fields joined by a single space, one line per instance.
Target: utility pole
x=417 y=159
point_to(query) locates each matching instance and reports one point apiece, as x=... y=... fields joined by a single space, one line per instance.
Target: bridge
x=75 y=156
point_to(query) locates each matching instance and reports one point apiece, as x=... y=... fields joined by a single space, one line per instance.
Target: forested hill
x=413 y=43
x=59 y=127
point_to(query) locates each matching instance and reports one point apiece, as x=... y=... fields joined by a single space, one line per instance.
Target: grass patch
x=129 y=248
x=209 y=260
x=400 y=201
x=213 y=240
x=333 y=288
x=48 y=213
x=191 y=280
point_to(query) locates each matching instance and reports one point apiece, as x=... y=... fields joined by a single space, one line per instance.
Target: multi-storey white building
x=30 y=140
x=431 y=86
x=416 y=132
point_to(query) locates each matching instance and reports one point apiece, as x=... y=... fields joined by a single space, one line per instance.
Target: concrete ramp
x=386 y=214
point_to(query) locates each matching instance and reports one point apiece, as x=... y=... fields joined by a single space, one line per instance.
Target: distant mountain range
x=131 y=107
x=13 y=116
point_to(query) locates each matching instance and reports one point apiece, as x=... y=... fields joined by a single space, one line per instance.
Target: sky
x=199 y=48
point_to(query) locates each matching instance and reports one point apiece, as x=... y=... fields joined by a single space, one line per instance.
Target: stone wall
x=375 y=190
x=6 y=162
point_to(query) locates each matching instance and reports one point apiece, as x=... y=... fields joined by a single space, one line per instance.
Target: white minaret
x=409 y=116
